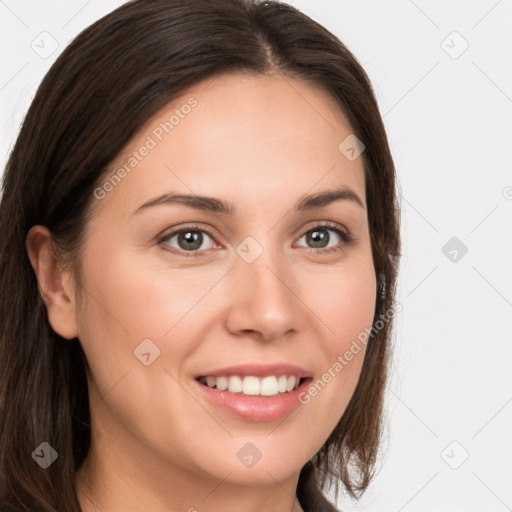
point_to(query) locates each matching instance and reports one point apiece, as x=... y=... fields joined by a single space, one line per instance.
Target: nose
x=264 y=299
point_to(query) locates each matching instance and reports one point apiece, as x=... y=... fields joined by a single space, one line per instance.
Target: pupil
x=193 y=238
x=319 y=238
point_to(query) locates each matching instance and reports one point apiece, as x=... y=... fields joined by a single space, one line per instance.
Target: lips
x=257 y=370
x=255 y=392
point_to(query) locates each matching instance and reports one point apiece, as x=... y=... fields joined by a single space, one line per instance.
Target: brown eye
x=321 y=236
x=189 y=240
x=318 y=238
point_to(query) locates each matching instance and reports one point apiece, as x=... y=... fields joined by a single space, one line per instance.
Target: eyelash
x=346 y=237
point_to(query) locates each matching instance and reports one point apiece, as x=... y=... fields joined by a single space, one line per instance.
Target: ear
x=56 y=285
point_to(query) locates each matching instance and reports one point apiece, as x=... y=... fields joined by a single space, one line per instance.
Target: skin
x=157 y=444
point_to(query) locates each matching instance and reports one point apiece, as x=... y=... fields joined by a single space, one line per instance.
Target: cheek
x=142 y=300
x=129 y=301
x=344 y=302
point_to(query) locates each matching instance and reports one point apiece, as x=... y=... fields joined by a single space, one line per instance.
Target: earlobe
x=55 y=283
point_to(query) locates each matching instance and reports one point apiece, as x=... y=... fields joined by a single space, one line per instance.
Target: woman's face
x=262 y=282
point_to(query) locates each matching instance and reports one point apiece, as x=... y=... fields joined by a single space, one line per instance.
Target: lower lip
x=255 y=408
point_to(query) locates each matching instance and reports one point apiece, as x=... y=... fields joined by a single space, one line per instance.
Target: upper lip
x=258 y=370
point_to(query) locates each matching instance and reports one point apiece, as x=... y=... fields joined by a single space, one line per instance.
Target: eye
x=189 y=239
x=326 y=238
x=194 y=240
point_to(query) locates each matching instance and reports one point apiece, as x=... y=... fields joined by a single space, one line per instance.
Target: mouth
x=251 y=385
x=254 y=392
x=251 y=398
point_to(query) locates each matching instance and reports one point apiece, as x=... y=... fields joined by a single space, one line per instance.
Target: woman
x=200 y=246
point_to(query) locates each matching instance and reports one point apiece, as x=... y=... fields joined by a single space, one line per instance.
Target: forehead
x=240 y=137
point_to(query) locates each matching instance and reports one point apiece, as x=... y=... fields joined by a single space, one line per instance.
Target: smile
x=251 y=385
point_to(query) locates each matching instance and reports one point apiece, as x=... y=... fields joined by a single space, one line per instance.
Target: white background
x=450 y=130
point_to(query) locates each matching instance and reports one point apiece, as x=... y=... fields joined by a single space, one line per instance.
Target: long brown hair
x=101 y=90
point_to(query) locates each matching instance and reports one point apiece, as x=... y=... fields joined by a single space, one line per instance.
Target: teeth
x=253 y=386
x=290 y=384
x=269 y=387
x=235 y=384
x=250 y=386
x=281 y=383
x=220 y=382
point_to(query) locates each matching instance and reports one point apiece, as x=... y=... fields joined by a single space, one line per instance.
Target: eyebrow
x=214 y=205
